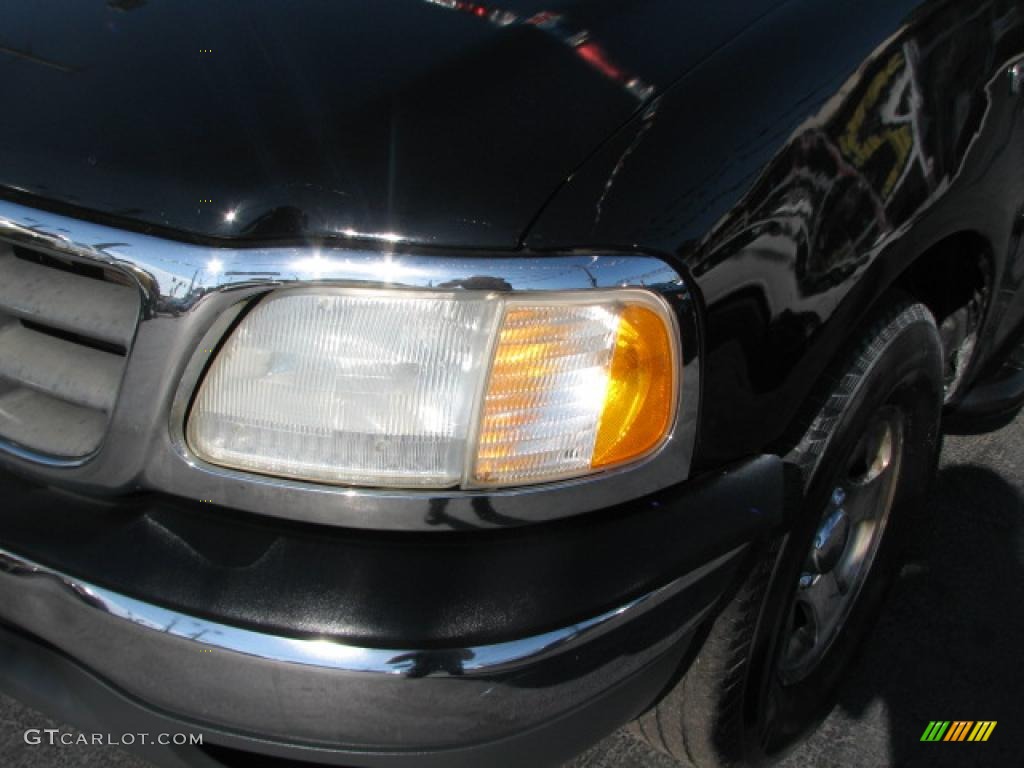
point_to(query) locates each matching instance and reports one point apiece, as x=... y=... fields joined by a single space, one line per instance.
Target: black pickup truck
x=432 y=383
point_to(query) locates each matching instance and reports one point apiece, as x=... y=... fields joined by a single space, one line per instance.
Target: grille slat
x=47 y=425
x=100 y=310
x=66 y=328
x=62 y=369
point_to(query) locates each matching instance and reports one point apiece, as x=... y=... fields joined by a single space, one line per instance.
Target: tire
x=773 y=658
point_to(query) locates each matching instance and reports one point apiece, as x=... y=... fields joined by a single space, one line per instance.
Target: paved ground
x=949 y=646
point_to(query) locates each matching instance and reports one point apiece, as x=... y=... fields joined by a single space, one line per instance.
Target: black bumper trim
x=384 y=589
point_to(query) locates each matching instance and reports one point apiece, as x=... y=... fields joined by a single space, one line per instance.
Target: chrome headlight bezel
x=439 y=510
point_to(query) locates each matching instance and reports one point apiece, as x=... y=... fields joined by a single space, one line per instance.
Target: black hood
x=434 y=121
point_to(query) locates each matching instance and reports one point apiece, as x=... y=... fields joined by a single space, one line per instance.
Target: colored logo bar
x=958 y=730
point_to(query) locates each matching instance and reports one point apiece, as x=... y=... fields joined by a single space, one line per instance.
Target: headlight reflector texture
x=353 y=387
x=546 y=390
x=574 y=388
x=437 y=390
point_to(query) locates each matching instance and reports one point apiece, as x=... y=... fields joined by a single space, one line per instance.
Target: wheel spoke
x=874 y=455
x=844 y=545
x=858 y=549
x=867 y=502
x=820 y=600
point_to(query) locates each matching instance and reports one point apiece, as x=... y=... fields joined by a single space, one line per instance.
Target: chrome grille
x=65 y=331
x=192 y=293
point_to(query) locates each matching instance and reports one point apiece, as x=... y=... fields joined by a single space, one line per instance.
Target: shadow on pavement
x=950 y=643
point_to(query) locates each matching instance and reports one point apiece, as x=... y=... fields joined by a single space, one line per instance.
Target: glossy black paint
x=311 y=118
x=799 y=170
x=795 y=156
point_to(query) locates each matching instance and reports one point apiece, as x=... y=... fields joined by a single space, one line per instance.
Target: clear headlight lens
x=349 y=387
x=410 y=389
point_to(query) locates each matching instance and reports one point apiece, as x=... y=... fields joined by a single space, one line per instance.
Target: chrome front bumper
x=324 y=694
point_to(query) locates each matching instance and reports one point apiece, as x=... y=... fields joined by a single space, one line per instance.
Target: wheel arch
x=942 y=274
x=945 y=275
x=954 y=278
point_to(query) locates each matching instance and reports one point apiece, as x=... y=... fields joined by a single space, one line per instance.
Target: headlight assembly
x=421 y=389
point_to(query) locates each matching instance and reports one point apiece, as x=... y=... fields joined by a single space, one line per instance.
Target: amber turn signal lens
x=576 y=386
x=639 y=401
